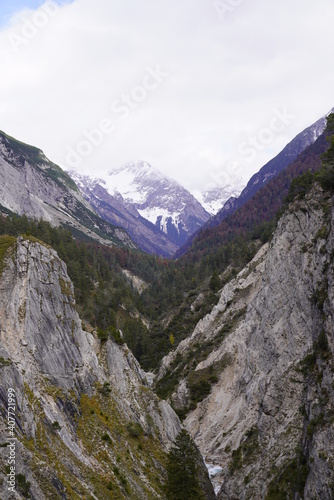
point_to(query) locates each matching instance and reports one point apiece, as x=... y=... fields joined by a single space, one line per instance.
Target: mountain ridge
x=116 y=210
x=234 y=213
x=272 y=168
x=31 y=184
x=155 y=200
x=255 y=377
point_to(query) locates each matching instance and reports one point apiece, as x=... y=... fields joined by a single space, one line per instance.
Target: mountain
x=272 y=168
x=214 y=197
x=31 y=184
x=114 y=209
x=83 y=421
x=241 y=216
x=255 y=378
x=144 y=190
x=243 y=324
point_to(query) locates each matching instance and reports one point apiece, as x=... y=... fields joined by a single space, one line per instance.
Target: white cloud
x=226 y=76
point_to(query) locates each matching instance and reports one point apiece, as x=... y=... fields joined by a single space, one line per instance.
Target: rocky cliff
x=86 y=422
x=255 y=379
x=31 y=184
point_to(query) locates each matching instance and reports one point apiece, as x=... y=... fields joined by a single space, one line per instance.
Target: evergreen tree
x=326 y=174
x=182 y=476
x=215 y=282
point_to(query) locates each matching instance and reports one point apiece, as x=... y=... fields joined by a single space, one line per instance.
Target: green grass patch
x=5 y=362
x=5 y=243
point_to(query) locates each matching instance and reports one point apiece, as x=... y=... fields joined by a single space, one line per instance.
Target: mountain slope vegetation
x=179 y=292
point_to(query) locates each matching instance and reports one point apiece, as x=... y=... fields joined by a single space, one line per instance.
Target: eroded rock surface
x=268 y=420
x=87 y=424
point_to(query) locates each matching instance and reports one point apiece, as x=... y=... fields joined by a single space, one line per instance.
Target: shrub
x=215 y=282
x=322 y=342
x=236 y=462
x=105 y=390
x=135 y=429
x=300 y=186
x=56 y=426
x=116 y=335
x=23 y=485
x=106 y=438
x=102 y=334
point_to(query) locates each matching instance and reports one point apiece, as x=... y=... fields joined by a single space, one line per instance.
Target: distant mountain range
x=159 y=214
x=116 y=210
x=215 y=197
x=134 y=205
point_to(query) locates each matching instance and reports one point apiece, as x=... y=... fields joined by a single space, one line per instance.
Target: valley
x=113 y=352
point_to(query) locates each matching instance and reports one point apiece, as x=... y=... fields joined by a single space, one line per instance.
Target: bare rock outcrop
x=266 y=349
x=87 y=425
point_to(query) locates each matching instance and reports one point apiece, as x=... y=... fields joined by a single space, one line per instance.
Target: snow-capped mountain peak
x=214 y=199
x=153 y=196
x=158 y=198
x=126 y=180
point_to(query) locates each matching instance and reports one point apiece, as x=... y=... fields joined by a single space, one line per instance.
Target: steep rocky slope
x=31 y=184
x=272 y=168
x=262 y=206
x=255 y=378
x=87 y=423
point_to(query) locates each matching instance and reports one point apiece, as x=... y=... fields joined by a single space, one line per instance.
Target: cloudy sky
x=201 y=89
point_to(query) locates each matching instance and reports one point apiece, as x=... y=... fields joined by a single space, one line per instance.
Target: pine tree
x=215 y=282
x=182 y=479
x=326 y=174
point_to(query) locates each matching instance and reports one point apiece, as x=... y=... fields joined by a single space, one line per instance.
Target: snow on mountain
x=158 y=213
x=114 y=209
x=214 y=199
x=158 y=198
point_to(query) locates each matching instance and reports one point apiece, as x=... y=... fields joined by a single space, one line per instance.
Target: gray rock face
x=268 y=421
x=87 y=424
x=38 y=325
x=31 y=184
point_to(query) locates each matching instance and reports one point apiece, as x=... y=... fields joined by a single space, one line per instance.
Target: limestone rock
x=268 y=419
x=87 y=423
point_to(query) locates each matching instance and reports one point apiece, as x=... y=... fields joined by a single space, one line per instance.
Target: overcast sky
x=201 y=89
